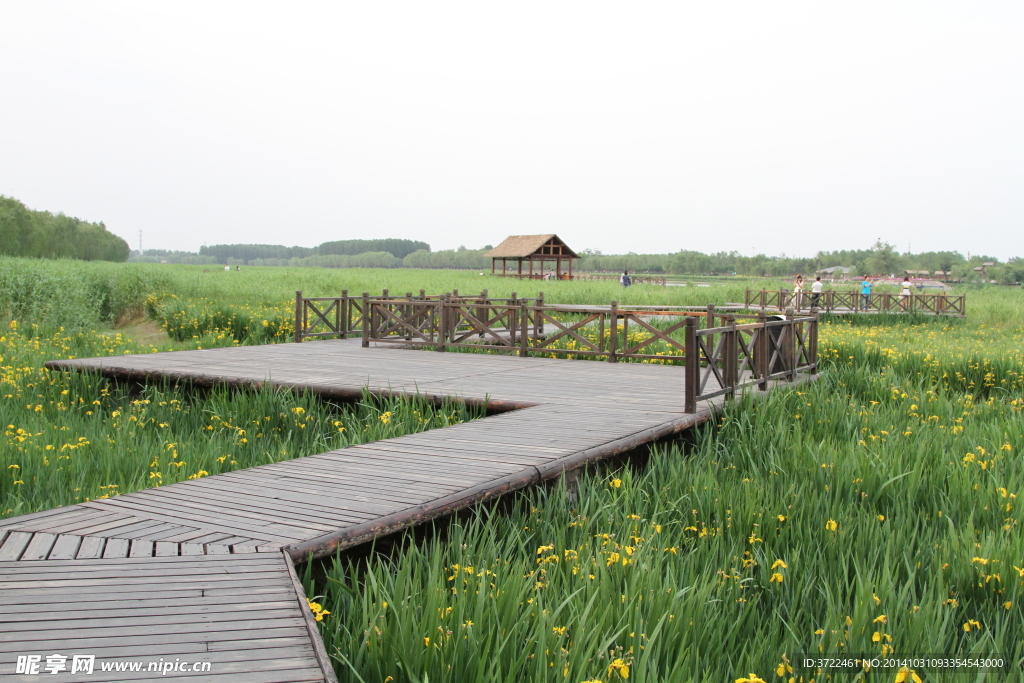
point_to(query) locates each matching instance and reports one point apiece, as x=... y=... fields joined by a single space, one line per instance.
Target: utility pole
x=140 y=243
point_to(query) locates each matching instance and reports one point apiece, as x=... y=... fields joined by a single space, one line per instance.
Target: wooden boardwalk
x=203 y=570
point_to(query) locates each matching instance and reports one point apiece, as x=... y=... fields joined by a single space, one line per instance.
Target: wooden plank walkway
x=151 y=574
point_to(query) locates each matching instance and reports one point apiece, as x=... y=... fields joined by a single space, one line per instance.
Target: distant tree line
x=41 y=234
x=247 y=254
x=880 y=259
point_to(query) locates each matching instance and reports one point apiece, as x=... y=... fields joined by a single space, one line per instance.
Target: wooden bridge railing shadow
x=723 y=355
x=838 y=301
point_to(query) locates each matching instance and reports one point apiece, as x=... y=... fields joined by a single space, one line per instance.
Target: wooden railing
x=850 y=301
x=720 y=360
x=343 y=317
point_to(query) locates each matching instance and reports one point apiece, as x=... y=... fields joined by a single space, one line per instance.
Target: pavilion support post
x=298 y=316
x=692 y=370
x=520 y=268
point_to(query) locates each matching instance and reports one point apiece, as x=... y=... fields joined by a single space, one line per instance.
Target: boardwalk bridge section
x=202 y=571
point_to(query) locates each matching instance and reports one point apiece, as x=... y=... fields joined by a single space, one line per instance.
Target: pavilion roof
x=523 y=246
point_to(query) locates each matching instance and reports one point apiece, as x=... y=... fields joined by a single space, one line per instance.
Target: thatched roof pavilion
x=535 y=250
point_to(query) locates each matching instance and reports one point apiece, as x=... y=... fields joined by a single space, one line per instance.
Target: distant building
x=539 y=251
x=835 y=272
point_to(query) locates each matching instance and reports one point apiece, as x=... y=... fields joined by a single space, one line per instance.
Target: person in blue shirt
x=865 y=293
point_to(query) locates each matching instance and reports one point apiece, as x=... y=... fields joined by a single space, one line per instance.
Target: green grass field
x=875 y=511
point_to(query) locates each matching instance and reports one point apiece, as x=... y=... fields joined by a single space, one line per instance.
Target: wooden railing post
x=730 y=356
x=298 y=316
x=791 y=342
x=524 y=329
x=613 y=343
x=812 y=345
x=539 y=326
x=691 y=375
x=710 y=323
x=764 y=298
x=762 y=353
x=344 y=314
x=442 y=321
x=366 y=319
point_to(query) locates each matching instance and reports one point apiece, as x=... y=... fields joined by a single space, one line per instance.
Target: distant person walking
x=816 y=292
x=624 y=280
x=905 y=293
x=865 y=293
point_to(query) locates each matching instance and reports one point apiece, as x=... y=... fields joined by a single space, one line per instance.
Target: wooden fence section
x=343 y=316
x=745 y=354
x=837 y=301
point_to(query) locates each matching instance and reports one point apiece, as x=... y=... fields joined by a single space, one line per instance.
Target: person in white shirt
x=816 y=292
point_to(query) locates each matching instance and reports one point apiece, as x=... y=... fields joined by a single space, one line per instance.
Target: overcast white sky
x=782 y=127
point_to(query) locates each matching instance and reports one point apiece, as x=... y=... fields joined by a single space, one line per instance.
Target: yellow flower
x=426 y=642
x=779 y=563
x=881 y=518
x=831 y=525
x=905 y=674
x=972 y=623
x=615 y=483
x=777 y=577
x=620 y=667
x=782 y=518
x=750 y=678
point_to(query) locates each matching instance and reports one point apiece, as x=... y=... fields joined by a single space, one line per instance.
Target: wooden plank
x=165 y=549
x=182 y=606
x=14 y=545
x=39 y=547
x=140 y=548
x=116 y=547
x=65 y=547
x=90 y=549
x=71 y=642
